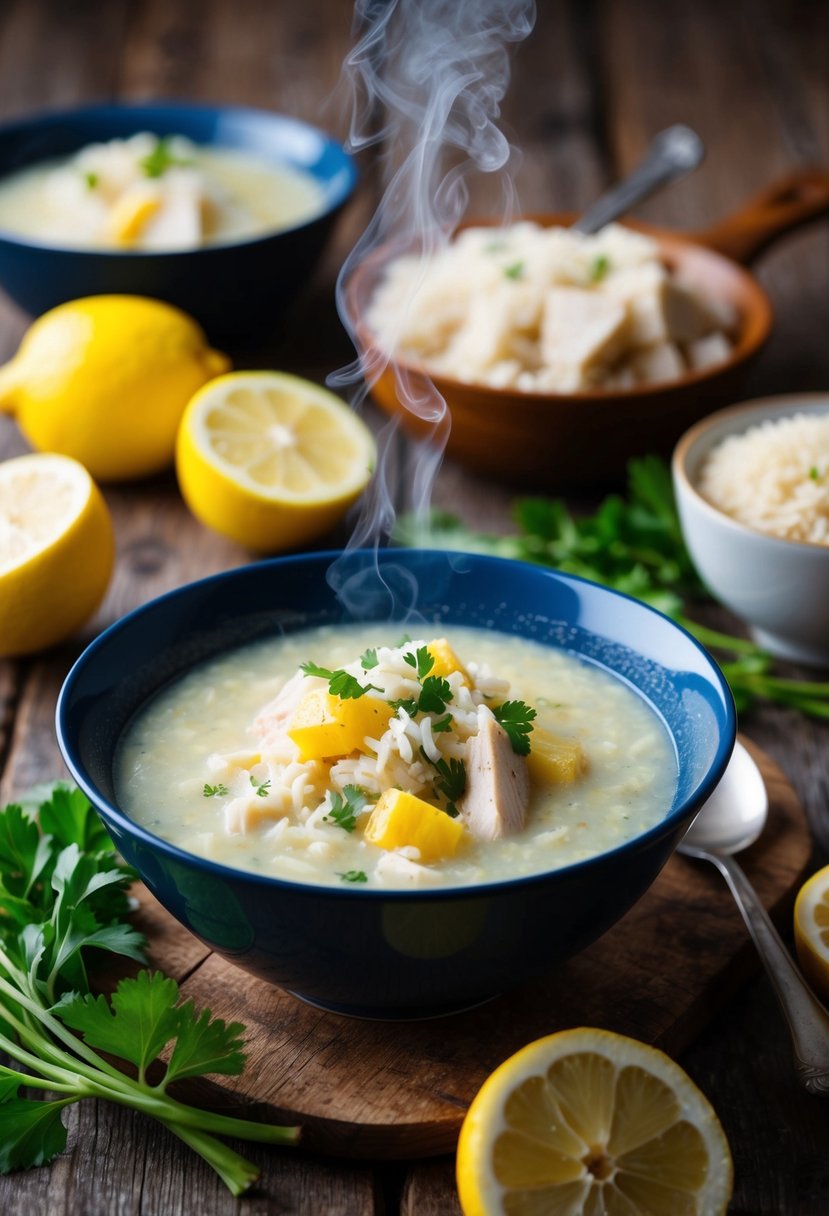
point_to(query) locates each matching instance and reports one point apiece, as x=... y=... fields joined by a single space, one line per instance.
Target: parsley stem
x=235 y=1171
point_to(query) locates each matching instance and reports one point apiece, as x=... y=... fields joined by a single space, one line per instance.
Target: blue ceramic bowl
x=232 y=289
x=396 y=953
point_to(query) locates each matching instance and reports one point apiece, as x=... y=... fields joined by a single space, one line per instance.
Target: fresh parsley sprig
x=635 y=545
x=340 y=683
x=346 y=807
x=63 y=890
x=517 y=720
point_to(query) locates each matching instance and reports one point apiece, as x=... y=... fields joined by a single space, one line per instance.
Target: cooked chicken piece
x=393 y=867
x=497 y=783
x=271 y=723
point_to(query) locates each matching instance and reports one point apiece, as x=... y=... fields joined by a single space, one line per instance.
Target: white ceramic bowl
x=779 y=587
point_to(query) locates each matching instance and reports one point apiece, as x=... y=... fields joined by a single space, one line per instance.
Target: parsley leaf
x=91 y=180
x=450 y=782
x=346 y=807
x=63 y=890
x=442 y=724
x=599 y=268
x=215 y=791
x=407 y=703
x=157 y=162
x=516 y=718
x=353 y=876
x=515 y=271
x=435 y=695
x=262 y=787
x=369 y=659
x=340 y=683
x=421 y=660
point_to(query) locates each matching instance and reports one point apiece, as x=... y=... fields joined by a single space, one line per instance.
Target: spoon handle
x=673 y=152
x=807 y=1018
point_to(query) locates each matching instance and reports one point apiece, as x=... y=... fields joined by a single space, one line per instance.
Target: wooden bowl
x=582 y=440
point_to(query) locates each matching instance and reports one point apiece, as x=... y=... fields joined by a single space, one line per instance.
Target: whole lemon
x=105 y=380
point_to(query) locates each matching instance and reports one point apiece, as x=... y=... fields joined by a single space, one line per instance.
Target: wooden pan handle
x=783 y=206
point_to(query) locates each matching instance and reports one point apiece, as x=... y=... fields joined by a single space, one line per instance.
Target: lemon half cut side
x=271 y=460
x=56 y=551
x=811 y=931
x=590 y=1123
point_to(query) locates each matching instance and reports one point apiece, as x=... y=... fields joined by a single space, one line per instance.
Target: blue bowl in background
x=234 y=289
x=396 y=953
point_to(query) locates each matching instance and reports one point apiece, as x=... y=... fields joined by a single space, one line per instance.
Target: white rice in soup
x=774 y=477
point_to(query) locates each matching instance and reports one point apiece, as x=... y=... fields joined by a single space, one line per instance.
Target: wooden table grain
x=590 y=86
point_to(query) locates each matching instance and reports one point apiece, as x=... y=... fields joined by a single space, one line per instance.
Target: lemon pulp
x=589 y=1122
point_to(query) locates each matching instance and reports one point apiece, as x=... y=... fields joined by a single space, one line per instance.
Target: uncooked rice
x=774 y=477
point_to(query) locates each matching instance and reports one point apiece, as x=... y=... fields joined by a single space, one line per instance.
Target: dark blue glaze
x=379 y=953
x=233 y=290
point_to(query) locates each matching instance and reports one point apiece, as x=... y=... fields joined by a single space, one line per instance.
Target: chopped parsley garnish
x=421 y=660
x=516 y=719
x=599 y=267
x=369 y=659
x=354 y=876
x=215 y=791
x=515 y=271
x=435 y=695
x=346 y=807
x=157 y=162
x=451 y=781
x=340 y=683
x=262 y=787
x=91 y=180
x=407 y=703
x=407 y=637
x=815 y=473
x=442 y=724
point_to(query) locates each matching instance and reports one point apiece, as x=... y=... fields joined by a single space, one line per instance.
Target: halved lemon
x=811 y=931
x=590 y=1122
x=271 y=460
x=56 y=551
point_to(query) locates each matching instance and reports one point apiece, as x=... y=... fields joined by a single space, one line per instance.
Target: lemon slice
x=590 y=1122
x=56 y=551
x=811 y=931
x=271 y=460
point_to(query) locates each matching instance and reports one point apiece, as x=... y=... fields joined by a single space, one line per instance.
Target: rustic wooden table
x=590 y=86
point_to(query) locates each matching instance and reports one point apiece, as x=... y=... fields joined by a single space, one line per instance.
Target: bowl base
x=413 y=1013
x=795 y=652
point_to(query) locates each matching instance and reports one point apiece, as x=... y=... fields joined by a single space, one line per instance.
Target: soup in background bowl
x=366 y=948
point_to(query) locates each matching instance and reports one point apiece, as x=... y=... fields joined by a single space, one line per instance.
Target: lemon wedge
x=587 y=1121
x=811 y=931
x=56 y=551
x=271 y=460
x=105 y=380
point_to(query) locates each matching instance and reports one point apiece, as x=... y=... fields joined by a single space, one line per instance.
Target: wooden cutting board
x=399 y=1090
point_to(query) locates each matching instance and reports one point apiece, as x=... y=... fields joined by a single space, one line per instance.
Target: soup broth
x=199 y=766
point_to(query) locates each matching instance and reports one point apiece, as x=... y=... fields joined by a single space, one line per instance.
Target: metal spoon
x=731 y=820
x=673 y=152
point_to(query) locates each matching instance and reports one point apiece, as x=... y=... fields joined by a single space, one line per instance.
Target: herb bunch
x=633 y=544
x=63 y=891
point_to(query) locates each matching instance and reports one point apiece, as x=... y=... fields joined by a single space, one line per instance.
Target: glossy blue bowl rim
x=57 y=116
x=134 y=830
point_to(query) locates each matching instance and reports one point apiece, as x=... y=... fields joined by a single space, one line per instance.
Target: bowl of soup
x=396 y=785
x=221 y=210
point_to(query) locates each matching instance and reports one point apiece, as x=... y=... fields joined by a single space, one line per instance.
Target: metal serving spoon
x=673 y=152
x=731 y=820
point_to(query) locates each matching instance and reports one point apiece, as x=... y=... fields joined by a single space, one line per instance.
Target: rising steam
x=427 y=78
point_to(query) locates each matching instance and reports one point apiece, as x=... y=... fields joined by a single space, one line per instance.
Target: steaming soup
x=151 y=193
x=378 y=770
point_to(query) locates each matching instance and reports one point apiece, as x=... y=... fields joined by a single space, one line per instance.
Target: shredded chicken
x=497 y=783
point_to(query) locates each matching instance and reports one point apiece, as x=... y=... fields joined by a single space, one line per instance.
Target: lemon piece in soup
x=271 y=460
x=132 y=212
x=401 y=820
x=587 y=1121
x=106 y=379
x=445 y=659
x=56 y=551
x=555 y=759
x=324 y=725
